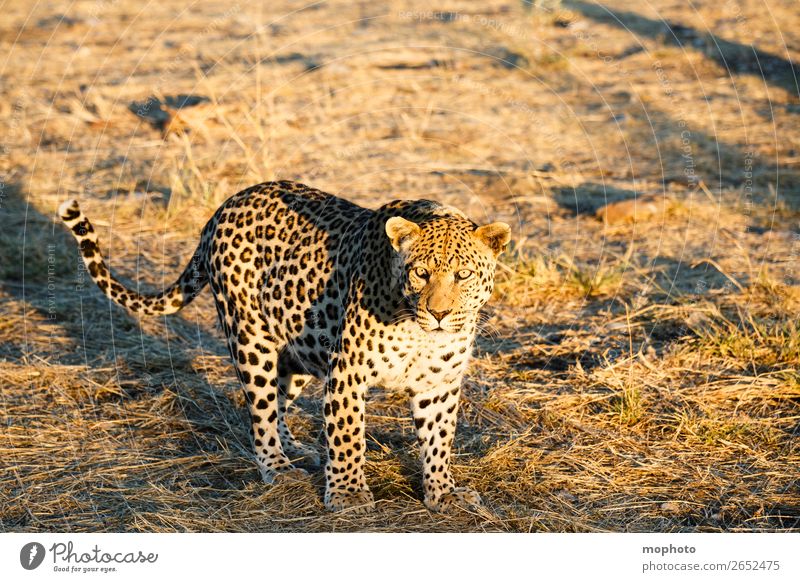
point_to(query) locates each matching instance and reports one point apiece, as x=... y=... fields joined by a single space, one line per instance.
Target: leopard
x=309 y=285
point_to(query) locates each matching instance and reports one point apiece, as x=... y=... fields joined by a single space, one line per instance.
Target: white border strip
x=402 y=557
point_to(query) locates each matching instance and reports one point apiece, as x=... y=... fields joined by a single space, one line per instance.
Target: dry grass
x=631 y=376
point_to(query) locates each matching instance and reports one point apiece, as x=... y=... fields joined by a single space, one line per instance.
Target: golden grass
x=634 y=376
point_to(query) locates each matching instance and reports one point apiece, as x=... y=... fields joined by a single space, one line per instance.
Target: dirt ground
x=639 y=367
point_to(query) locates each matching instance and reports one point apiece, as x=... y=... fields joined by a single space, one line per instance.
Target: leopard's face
x=446 y=268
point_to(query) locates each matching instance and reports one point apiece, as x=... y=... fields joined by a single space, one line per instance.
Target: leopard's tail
x=171 y=300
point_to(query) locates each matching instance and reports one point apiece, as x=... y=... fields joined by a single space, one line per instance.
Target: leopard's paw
x=358 y=502
x=284 y=474
x=459 y=499
x=293 y=474
x=303 y=454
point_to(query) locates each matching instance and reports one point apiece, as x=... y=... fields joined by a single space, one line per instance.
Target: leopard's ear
x=401 y=231
x=495 y=236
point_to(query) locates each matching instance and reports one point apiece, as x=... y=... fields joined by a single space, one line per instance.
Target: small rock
x=161 y=115
x=506 y=58
x=634 y=210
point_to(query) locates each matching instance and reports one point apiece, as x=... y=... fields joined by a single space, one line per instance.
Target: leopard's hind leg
x=289 y=387
x=255 y=356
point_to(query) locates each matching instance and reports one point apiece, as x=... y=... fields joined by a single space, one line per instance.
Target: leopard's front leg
x=435 y=413
x=345 y=485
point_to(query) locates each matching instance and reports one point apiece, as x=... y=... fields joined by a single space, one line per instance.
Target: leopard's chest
x=417 y=361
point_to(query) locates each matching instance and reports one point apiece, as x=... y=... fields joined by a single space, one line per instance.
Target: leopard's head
x=446 y=268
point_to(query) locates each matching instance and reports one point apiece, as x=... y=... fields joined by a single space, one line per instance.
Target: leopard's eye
x=421 y=273
x=464 y=274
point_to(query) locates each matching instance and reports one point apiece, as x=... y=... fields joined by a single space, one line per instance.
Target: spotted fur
x=310 y=285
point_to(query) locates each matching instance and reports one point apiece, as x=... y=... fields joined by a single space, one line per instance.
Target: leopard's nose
x=439 y=315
